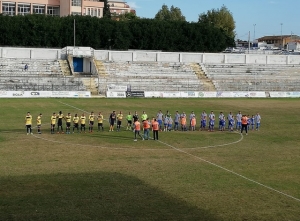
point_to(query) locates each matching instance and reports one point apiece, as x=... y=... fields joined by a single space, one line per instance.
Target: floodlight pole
x=254 y=32
x=74 y=33
x=281 y=36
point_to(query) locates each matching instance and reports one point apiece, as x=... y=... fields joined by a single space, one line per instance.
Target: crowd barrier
x=203 y=94
x=152 y=94
x=43 y=94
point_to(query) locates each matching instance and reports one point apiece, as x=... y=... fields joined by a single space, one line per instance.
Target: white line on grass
x=230 y=171
x=216 y=165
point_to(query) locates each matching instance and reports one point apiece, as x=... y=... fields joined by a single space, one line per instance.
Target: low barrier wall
x=44 y=94
x=202 y=94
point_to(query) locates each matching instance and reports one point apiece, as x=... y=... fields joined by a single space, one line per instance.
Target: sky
x=259 y=17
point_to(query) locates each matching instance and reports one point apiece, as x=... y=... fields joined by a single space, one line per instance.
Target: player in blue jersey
x=166 y=122
x=257 y=120
x=231 y=124
x=203 y=120
x=248 y=122
x=159 y=118
x=252 y=122
x=170 y=123
x=221 y=116
x=176 y=120
x=239 y=121
x=211 y=118
x=223 y=123
x=229 y=117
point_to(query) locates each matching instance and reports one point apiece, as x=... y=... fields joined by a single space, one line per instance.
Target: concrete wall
x=104 y=55
x=30 y=53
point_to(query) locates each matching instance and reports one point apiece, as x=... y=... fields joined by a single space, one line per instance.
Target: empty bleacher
x=42 y=75
x=254 y=77
x=151 y=76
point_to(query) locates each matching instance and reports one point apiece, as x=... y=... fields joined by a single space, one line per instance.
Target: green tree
x=127 y=16
x=172 y=14
x=106 y=9
x=220 y=18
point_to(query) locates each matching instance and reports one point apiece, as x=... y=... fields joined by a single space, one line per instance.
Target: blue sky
x=268 y=15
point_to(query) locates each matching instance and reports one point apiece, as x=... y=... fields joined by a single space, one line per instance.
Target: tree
x=172 y=14
x=106 y=9
x=127 y=16
x=220 y=18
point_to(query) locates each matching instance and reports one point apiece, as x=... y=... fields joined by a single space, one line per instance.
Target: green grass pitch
x=185 y=176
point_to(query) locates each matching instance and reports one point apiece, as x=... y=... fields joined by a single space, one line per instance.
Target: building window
x=76 y=2
x=39 y=9
x=53 y=10
x=99 y=13
x=92 y=12
x=89 y=12
x=23 y=9
x=76 y=13
x=8 y=8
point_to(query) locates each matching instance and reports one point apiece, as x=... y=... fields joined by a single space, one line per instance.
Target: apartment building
x=60 y=7
x=118 y=7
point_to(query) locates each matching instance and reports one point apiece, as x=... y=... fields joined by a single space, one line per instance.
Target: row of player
x=165 y=121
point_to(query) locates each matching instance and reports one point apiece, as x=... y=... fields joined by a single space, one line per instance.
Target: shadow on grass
x=90 y=196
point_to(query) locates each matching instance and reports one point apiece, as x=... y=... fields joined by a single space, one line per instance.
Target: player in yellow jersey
x=68 y=119
x=28 y=123
x=82 y=122
x=100 y=121
x=53 y=122
x=119 y=120
x=39 y=123
x=75 y=123
x=60 y=117
x=91 y=122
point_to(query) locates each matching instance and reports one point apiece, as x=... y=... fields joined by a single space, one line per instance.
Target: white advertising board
x=233 y=94
x=41 y=94
x=189 y=94
x=153 y=94
x=206 y=94
x=116 y=94
x=292 y=94
x=277 y=94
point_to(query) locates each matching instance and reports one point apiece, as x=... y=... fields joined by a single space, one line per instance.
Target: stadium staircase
x=198 y=69
x=90 y=85
x=64 y=66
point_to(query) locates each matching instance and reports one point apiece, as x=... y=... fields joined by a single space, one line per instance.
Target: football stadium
x=187 y=174
x=109 y=116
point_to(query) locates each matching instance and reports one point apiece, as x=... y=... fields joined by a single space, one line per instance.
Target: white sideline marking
x=216 y=165
x=230 y=171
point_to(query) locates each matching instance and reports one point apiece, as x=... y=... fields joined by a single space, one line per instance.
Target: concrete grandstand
x=57 y=69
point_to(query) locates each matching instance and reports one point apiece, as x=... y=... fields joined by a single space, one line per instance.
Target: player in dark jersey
x=91 y=122
x=60 y=117
x=82 y=123
x=68 y=119
x=112 y=120
x=75 y=123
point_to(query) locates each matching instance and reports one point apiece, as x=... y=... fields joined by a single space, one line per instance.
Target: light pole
x=281 y=44
x=254 y=32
